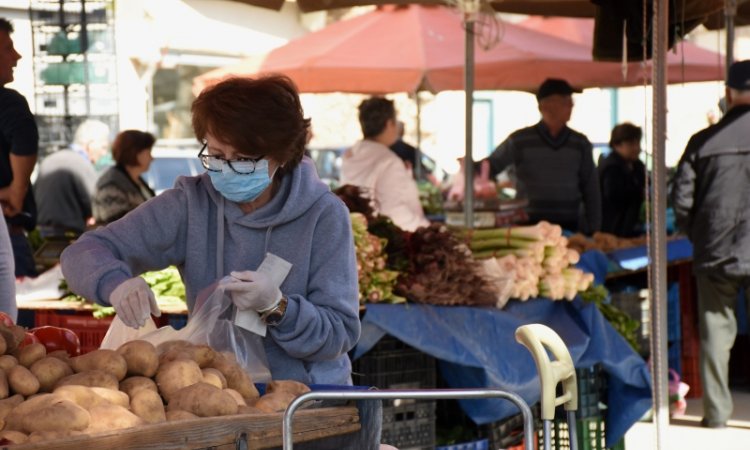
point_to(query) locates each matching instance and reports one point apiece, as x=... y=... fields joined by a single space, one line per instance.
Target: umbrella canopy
x=687 y=62
x=413 y=48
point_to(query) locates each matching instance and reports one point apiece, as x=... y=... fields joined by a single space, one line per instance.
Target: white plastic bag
x=210 y=323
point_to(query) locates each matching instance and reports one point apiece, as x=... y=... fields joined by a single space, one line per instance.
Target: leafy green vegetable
x=620 y=321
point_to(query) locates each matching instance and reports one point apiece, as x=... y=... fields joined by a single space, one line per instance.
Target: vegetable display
x=46 y=395
x=376 y=282
x=536 y=255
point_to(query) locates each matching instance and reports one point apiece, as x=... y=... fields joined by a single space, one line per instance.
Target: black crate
x=592 y=391
x=409 y=424
x=392 y=364
x=509 y=432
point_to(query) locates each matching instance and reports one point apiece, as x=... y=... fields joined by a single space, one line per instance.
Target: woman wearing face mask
x=257 y=196
x=121 y=189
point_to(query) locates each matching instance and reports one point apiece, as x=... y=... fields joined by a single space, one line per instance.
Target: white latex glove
x=134 y=302
x=253 y=290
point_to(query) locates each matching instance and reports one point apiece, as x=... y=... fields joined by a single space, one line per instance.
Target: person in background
x=19 y=145
x=7 y=274
x=120 y=189
x=622 y=177
x=371 y=165
x=66 y=181
x=553 y=164
x=710 y=198
x=408 y=154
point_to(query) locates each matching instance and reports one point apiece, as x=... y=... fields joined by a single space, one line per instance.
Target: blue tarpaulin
x=477 y=348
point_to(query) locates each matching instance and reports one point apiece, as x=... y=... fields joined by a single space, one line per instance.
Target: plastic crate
x=482 y=444
x=90 y=330
x=409 y=425
x=508 y=433
x=590 y=433
x=392 y=364
x=635 y=304
x=592 y=391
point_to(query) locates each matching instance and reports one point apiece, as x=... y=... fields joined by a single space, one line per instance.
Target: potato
x=19 y=334
x=22 y=381
x=62 y=355
x=14 y=437
x=203 y=400
x=132 y=385
x=31 y=353
x=112 y=417
x=291 y=386
x=8 y=361
x=148 y=405
x=214 y=377
x=16 y=415
x=237 y=378
x=83 y=396
x=3 y=345
x=4 y=389
x=140 y=357
x=276 y=402
x=106 y=360
x=168 y=345
x=11 y=341
x=7 y=405
x=236 y=396
x=174 y=354
x=92 y=378
x=62 y=415
x=176 y=375
x=49 y=371
x=202 y=354
x=178 y=414
x=112 y=396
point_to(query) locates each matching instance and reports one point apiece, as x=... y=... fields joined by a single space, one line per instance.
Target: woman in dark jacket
x=121 y=188
x=622 y=179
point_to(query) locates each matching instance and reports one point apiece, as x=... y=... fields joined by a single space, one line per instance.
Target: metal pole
x=730 y=12
x=469 y=18
x=422 y=394
x=658 y=234
x=418 y=151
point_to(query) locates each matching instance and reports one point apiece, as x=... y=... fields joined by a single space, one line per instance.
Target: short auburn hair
x=128 y=144
x=257 y=116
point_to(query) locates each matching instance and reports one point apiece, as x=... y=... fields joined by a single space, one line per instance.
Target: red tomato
x=5 y=319
x=56 y=338
x=29 y=339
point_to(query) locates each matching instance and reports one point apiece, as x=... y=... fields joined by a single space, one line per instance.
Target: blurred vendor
x=622 y=177
x=372 y=165
x=553 y=164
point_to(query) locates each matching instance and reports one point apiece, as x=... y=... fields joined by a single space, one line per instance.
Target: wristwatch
x=273 y=316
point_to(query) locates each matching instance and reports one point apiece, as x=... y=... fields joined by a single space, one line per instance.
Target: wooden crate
x=260 y=432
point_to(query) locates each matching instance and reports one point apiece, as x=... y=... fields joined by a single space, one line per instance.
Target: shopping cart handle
x=538 y=339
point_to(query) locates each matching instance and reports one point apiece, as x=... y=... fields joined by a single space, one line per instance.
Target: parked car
x=172 y=159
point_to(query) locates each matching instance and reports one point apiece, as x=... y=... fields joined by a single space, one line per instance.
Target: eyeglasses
x=242 y=166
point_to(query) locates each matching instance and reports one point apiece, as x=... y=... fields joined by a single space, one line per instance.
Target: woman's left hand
x=253 y=290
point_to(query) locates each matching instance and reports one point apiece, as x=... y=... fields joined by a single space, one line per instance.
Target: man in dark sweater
x=19 y=144
x=553 y=164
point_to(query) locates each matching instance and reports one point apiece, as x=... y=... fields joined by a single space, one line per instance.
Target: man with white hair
x=710 y=196
x=67 y=179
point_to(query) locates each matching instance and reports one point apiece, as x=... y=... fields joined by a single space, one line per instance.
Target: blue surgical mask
x=241 y=188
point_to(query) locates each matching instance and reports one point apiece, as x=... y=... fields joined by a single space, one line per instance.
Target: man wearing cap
x=553 y=164
x=710 y=195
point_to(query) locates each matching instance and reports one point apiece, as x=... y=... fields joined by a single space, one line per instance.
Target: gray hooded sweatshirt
x=304 y=224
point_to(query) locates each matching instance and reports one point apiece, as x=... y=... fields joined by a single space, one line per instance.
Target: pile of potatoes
x=48 y=396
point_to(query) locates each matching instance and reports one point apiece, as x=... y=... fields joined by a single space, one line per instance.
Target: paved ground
x=685 y=432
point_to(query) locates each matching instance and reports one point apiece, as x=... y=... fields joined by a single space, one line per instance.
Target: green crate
x=590 y=432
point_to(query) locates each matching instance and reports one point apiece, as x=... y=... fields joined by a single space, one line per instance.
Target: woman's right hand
x=134 y=302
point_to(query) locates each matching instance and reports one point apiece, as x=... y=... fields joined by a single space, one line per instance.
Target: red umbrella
x=406 y=49
x=686 y=63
